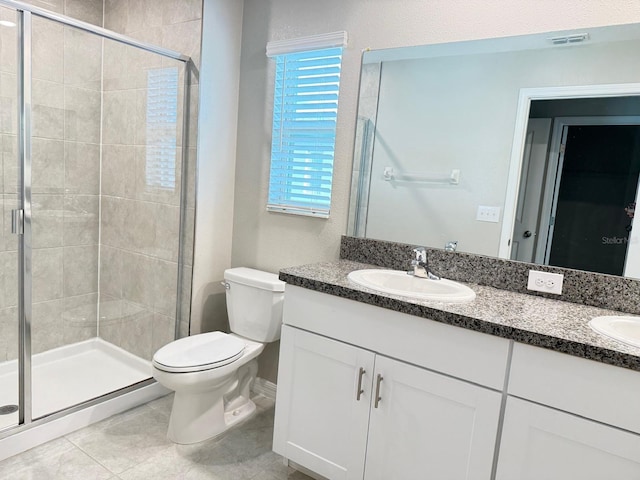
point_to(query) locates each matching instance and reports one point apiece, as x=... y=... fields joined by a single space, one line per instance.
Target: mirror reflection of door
x=597 y=186
x=530 y=196
x=577 y=202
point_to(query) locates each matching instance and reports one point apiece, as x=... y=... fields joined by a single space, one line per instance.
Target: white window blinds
x=304 y=131
x=161 y=134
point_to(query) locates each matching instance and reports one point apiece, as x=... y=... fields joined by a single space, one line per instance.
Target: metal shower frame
x=23 y=218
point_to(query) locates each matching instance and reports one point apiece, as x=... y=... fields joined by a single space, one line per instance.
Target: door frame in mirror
x=527 y=95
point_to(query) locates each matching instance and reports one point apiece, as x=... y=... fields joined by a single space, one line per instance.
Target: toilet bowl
x=212 y=373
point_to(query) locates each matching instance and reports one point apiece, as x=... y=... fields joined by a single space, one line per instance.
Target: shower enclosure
x=96 y=200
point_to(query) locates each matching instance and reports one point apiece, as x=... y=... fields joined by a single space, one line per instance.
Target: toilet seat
x=204 y=351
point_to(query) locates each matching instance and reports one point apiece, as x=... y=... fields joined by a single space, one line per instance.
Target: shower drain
x=8 y=409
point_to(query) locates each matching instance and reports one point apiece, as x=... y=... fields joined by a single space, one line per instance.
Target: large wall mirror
x=525 y=148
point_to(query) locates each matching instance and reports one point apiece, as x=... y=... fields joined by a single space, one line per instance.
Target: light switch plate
x=545 y=282
x=488 y=214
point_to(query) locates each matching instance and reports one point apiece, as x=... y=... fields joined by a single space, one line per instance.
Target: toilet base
x=202 y=415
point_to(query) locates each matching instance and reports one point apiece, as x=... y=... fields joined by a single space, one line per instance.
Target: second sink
x=625 y=329
x=396 y=282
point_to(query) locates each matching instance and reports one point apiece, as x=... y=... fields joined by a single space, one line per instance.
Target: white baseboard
x=264 y=387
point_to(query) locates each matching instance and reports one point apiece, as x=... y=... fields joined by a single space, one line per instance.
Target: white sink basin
x=623 y=329
x=396 y=282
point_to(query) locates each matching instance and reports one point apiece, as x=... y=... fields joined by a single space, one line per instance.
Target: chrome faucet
x=420 y=265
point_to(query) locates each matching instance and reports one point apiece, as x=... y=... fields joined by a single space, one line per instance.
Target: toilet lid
x=199 y=352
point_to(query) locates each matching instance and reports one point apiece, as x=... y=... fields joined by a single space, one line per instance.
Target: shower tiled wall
x=105 y=243
x=66 y=163
x=140 y=219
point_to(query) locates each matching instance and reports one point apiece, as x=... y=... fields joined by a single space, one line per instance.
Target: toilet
x=211 y=373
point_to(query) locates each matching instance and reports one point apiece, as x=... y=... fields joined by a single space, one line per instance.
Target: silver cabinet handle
x=360 y=390
x=378 y=397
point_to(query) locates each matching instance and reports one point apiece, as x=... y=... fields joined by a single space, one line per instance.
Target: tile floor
x=133 y=445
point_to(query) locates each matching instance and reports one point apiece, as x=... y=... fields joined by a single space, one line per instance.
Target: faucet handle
x=421 y=254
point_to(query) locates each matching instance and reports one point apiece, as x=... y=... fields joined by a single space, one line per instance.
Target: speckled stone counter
x=543 y=322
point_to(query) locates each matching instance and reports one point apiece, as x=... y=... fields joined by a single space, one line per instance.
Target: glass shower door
x=9 y=195
x=106 y=195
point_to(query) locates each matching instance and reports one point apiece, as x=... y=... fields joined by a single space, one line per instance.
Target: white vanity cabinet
x=321 y=421
x=427 y=425
x=583 y=425
x=346 y=410
x=542 y=443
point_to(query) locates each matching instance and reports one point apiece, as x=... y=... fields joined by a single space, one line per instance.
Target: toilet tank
x=254 y=303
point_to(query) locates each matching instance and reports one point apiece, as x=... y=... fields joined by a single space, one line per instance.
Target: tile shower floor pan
x=69 y=375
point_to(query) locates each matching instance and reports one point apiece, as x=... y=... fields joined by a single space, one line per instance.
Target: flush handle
x=226 y=285
x=378 y=397
x=360 y=390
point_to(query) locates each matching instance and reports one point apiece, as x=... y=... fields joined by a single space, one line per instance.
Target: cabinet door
x=430 y=426
x=320 y=423
x=542 y=443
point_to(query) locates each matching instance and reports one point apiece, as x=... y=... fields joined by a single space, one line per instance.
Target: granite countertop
x=530 y=319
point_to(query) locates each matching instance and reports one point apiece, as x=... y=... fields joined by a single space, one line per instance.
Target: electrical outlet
x=488 y=214
x=545 y=282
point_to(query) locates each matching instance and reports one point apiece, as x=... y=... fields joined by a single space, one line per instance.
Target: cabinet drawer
x=455 y=351
x=542 y=443
x=591 y=389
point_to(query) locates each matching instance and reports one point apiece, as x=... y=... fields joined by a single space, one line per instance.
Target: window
x=304 y=128
x=162 y=120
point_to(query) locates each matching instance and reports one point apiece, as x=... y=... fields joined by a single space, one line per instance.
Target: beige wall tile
x=8 y=334
x=90 y=11
x=47 y=165
x=143 y=14
x=112 y=217
x=119 y=173
x=165 y=284
x=137 y=322
x=140 y=231
x=9 y=279
x=47 y=220
x=163 y=331
x=47 y=274
x=47 y=93
x=118 y=126
x=81 y=168
x=115 y=15
x=8 y=241
x=80 y=270
x=80 y=318
x=82 y=115
x=138 y=283
x=115 y=66
x=177 y=11
x=47 y=122
x=81 y=221
x=167 y=232
x=111 y=264
x=9 y=163
x=8 y=41
x=48 y=42
x=52 y=5
x=82 y=59
x=184 y=38
x=46 y=331
x=110 y=319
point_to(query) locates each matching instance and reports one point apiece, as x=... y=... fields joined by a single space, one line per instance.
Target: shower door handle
x=17 y=221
